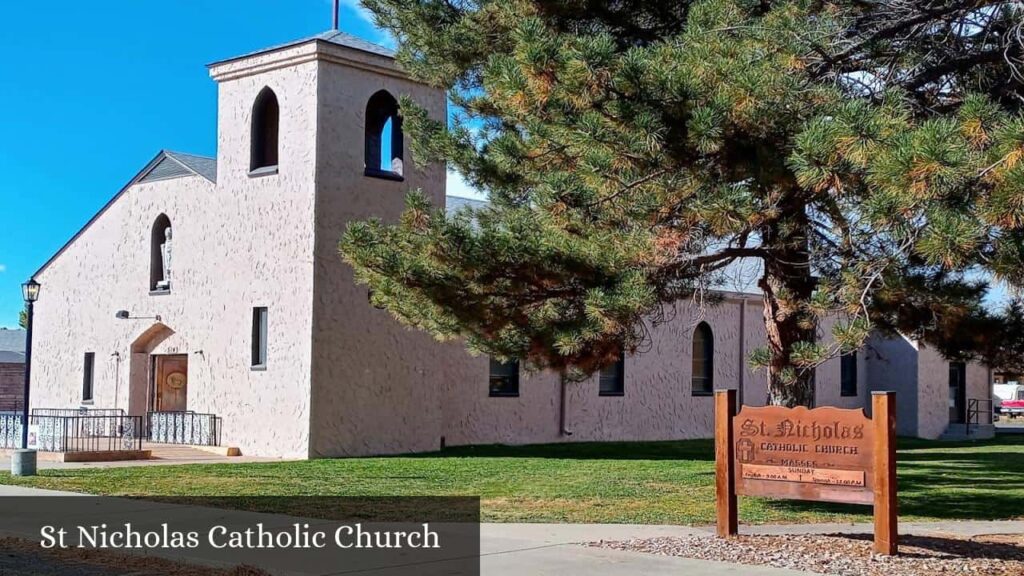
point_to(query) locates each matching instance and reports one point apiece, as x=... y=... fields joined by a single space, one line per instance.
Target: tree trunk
x=786 y=284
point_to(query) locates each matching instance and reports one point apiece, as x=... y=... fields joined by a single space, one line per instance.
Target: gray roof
x=202 y=165
x=12 y=341
x=333 y=36
x=11 y=357
x=453 y=204
x=168 y=165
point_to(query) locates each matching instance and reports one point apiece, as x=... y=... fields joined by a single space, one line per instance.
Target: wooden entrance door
x=170 y=382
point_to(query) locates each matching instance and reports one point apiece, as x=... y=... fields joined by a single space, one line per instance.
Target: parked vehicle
x=1008 y=399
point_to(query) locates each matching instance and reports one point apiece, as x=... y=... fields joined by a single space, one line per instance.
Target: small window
x=702 y=378
x=259 y=337
x=88 y=376
x=160 y=255
x=384 y=139
x=504 y=378
x=848 y=374
x=266 y=117
x=613 y=378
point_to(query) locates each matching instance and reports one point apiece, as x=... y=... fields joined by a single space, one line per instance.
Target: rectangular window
x=259 y=337
x=504 y=378
x=88 y=376
x=848 y=374
x=613 y=378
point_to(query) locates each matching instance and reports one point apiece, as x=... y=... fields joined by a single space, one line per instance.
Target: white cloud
x=457 y=186
x=356 y=7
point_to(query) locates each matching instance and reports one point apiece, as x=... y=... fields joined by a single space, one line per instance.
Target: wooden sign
x=823 y=454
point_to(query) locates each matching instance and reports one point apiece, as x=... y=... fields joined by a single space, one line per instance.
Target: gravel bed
x=847 y=554
x=24 y=558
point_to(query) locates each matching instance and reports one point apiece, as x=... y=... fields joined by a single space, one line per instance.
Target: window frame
x=381 y=108
x=89 y=378
x=848 y=362
x=264 y=159
x=260 y=329
x=158 y=236
x=512 y=377
x=707 y=354
x=618 y=378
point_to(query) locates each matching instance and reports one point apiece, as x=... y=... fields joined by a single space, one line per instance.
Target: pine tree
x=866 y=158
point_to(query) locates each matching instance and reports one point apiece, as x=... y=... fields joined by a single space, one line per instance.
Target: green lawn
x=652 y=482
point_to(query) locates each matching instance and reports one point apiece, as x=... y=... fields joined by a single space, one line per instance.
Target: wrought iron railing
x=976 y=407
x=75 y=433
x=77 y=412
x=10 y=430
x=189 y=428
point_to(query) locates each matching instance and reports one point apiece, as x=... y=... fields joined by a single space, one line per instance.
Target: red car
x=1012 y=408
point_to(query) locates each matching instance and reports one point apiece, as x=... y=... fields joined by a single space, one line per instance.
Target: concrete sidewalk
x=544 y=549
x=506 y=549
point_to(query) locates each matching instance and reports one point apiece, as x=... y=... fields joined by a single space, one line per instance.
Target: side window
x=504 y=378
x=259 y=337
x=88 y=376
x=613 y=377
x=702 y=375
x=384 y=139
x=266 y=119
x=848 y=374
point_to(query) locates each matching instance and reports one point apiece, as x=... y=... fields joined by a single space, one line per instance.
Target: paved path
x=197 y=457
x=554 y=550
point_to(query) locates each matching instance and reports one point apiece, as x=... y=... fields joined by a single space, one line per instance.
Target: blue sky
x=93 y=90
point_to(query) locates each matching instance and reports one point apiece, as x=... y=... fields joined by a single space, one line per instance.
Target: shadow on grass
x=949 y=547
x=949 y=481
x=694 y=450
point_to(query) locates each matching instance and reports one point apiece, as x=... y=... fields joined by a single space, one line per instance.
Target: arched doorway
x=157 y=382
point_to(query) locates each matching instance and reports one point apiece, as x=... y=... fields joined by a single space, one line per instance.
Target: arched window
x=384 y=140
x=265 y=123
x=160 y=255
x=703 y=358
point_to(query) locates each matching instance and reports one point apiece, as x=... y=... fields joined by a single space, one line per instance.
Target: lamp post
x=24 y=461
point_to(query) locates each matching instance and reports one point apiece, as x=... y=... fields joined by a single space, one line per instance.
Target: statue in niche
x=165 y=253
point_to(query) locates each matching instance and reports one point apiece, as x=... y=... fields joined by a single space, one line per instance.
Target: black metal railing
x=976 y=407
x=74 y=433
x=78 y=412
x=189 y=428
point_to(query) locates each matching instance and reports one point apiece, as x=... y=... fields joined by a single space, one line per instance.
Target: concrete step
x=182 y=452
x=959 y=432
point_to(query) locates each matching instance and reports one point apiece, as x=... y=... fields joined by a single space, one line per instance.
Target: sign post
x=823 y=454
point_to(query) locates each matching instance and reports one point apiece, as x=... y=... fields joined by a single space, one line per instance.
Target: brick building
x=12 y=369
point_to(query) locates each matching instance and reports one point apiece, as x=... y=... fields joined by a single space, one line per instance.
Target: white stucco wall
x=241 y=243
x=376 y=383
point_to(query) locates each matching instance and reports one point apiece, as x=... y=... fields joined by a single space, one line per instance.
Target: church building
x=208 y=298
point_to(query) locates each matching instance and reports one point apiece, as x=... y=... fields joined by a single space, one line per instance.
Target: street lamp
x=24 y=461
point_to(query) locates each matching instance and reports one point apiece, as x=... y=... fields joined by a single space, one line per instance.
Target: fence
x=91 y=433
x=979 y=412
x=77 y=412
x=183 y=428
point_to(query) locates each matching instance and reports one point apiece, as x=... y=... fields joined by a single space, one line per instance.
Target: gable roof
x=169 y=165
x=12 y=341
x=453 y=204
x=181 y=165
x=11 y=357
x=332 y=36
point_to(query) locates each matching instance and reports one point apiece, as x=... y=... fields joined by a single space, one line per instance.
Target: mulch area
x=24 y=558
x=848 y=554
